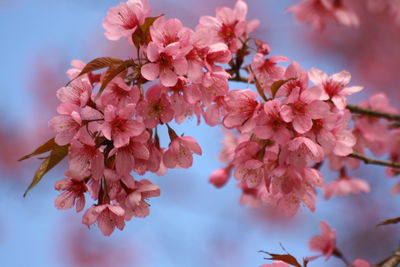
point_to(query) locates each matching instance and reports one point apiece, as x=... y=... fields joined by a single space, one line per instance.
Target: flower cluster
x=110 y=134
x=319 y=13
x=277 y=136
x=282 y=138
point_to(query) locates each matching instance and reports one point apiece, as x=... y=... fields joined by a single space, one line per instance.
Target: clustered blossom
x=277 y=136
x=320 y=12
x=282 y=137
x=112 y=133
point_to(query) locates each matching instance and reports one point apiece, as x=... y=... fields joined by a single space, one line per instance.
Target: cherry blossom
x=107 y=216
x=122 y=20
x=324 y=243
x=320 y=12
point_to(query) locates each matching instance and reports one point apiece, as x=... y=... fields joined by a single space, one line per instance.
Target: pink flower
x=118 y=125
x=119 y=94
x=126 y=156
x=334 y=86
x=360 y=263
x=84 y=161
x=291 y=186
x=78 y=93
x=250 y=196
x=345 y=186
x=229 y=25
x=326 y=242
x=68 y=126
x=270 y=124
x=374 y=131
x=266 y=69
x=240 y=107
x=179 y=153
x=345 y=139
x=214 y=85
x=107 y=216
x=156 y=108
x=122 y=20
x=276 y=264
x=135 y=204
x=166 y=63
x=220 y=177
x=303 y=107
x=297 y=79
x=73 y=194
x=217 y=53
x=165 y=32
x=167 y=51
x=303 y=151
x=252 y=172
x=320 y=12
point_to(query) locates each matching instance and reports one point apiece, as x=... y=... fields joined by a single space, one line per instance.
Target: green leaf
x=49 y=145
x=289 y=259
x=97 y=64
x=278 y=84
x=390 y=221
x=112 y=72
x=57 y=154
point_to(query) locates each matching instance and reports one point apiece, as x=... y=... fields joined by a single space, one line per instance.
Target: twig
x=373 y=113
x=391 y=261
x=374 y=161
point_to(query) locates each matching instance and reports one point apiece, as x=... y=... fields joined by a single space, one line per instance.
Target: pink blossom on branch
x=320 y=12
x=107 y=216
x=325 y=242
x=346 y=186
x=122 y=20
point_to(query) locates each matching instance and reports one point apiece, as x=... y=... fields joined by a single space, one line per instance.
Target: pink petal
x=168 y=78
x=150 y=71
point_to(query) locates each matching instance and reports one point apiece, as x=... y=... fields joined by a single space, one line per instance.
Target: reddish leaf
x=97 y=64
x=278 y=84
x=289 y=259
x=260 y=90
x=142 y=34
x=112 y=72
x=390 y=221
x=57 y=154
x=49 y=145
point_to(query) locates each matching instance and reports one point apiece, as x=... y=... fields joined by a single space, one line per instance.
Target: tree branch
x=391 y=261
x=373 y=113
x=374 y=161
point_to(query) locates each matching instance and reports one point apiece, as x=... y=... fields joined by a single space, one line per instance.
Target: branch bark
x=391 y=261
x=374 y=161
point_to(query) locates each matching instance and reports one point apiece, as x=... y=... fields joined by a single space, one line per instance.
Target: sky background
x=191 y=223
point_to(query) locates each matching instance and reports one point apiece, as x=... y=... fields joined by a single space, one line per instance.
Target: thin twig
x=374 y=161
x=373 y=113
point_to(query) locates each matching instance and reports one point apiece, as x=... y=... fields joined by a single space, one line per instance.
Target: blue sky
x=191 y=215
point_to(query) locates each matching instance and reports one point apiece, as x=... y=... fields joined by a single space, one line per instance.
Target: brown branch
x=239 y=79
x=374 y=161
x=391 y=261
x=373 y=113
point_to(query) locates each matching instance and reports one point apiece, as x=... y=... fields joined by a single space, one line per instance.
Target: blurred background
x=192 y=223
